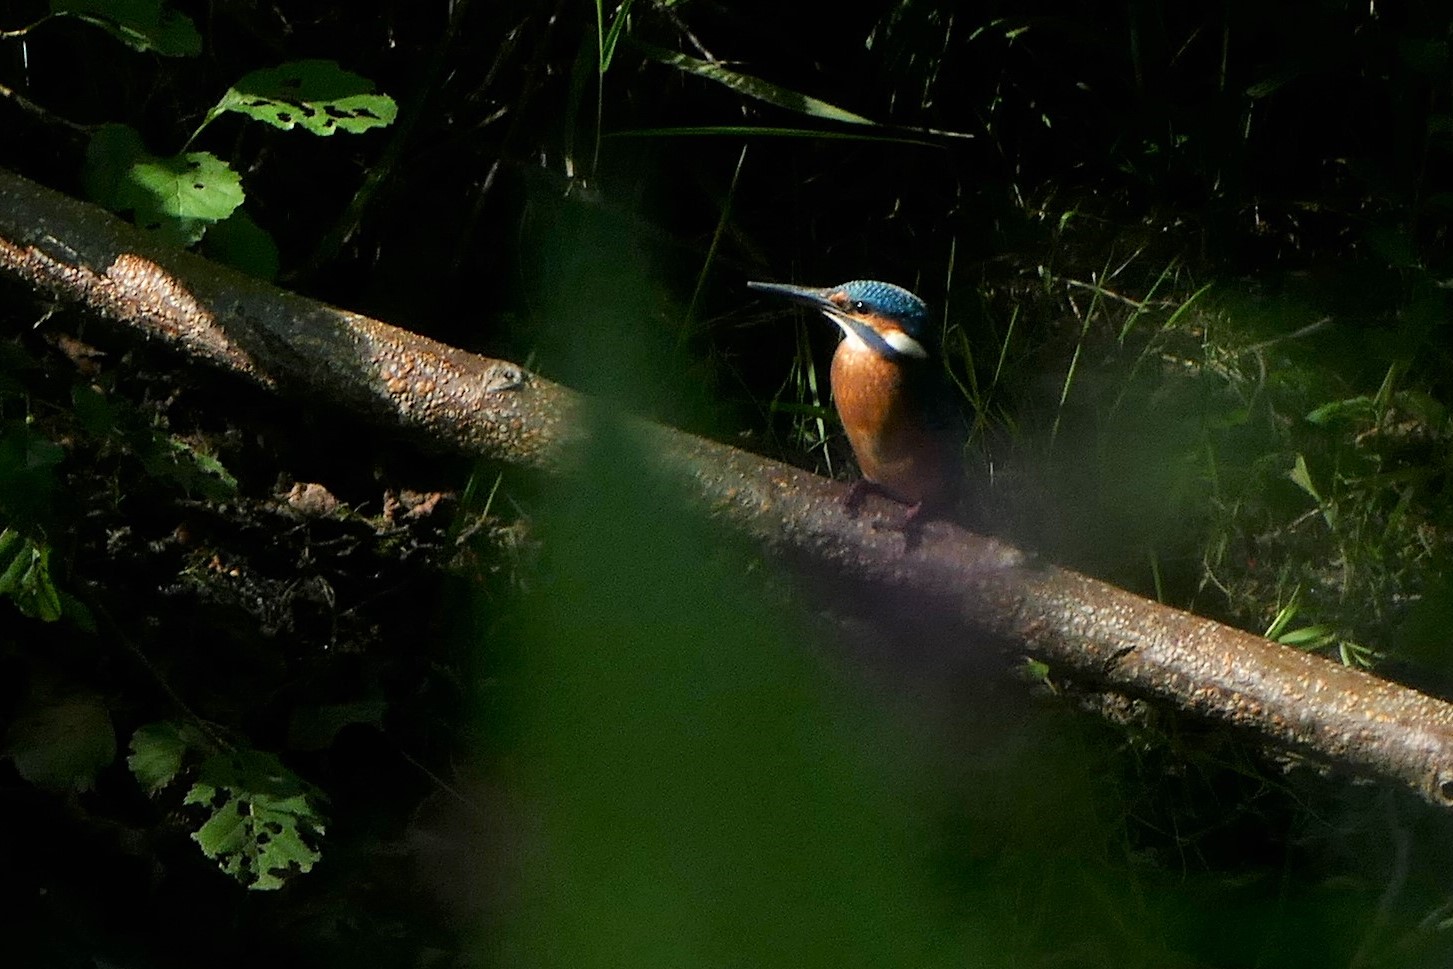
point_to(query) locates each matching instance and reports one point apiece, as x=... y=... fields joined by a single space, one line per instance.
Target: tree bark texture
x=965 y=586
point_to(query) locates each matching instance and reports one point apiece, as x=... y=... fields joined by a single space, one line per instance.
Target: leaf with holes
x=318 y=96
x=176 y=198
x=139 y=24
x=264 y=819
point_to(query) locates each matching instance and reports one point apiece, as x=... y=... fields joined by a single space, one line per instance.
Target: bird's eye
x=859 y=306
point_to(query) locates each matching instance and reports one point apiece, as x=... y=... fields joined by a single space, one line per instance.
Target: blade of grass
x=608 y=39
x=1151 y=346
x=1064 y=396
x=753 y=87
x=739 y=131
x=721 y=224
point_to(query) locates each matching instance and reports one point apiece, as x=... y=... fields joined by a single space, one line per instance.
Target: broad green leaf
x=754 y=87
x=317 y=95
x=25 y=576
x=170 y=459
x=76 y=611
x=38 y=596
x=1429 y=57
x=157 y=750
x=314 y=727
x=60 y=744
x=175 y=197
x=165 y=457
x=242 y=244
x=27 y=473
x=12 y=545
x=1422 y=406
x=139 y=24
x=263 y=818
x=1394 y=245
x=94 y=411
x=114 y=148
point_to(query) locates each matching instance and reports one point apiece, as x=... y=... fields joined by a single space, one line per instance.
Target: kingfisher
x=890 y=393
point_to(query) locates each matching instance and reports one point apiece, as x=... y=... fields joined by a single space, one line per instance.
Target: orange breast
x=895 y=441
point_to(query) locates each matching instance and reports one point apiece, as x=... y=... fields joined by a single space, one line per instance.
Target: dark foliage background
x=1191 y=264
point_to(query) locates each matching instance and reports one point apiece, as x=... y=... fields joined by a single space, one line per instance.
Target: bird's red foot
x=913 y=522
x=919 y=512
x=858 y=491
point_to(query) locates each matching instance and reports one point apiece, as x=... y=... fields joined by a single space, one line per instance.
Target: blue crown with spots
x=894 y=302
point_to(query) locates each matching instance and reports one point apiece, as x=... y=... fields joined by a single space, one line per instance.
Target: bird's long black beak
x=809 y=295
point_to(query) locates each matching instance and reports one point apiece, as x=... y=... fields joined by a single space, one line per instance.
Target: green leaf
x=25 y=576
x=166 y=458
x=1395 y=246
x=1033 y=670
x=317 y=95
x=1359 y=408
x=1423 y=407
x=754 y=87
x=1307 y=637
x=94 y=412
x=139 y=24
x=38 y=596
x=172 y=459
x=242 y=244
x=1428 y=57
x=77 y=611
x=611 y=37
x=1285 y=615
x=1270 y=85
x=314 y=727
x=157 y=750
x=60 y=744
x=263 y=819
x=27 y=475
x=12 y=545
x=176 y=198
x=1302 y=478
x=1356 y=654
x=34 y=452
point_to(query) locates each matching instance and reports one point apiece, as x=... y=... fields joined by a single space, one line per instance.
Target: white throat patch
x=849 y=334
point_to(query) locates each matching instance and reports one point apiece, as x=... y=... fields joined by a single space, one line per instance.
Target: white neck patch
x=884 y=344
x=905 y=344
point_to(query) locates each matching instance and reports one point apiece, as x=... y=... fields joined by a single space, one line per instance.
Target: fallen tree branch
x=965 y=586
